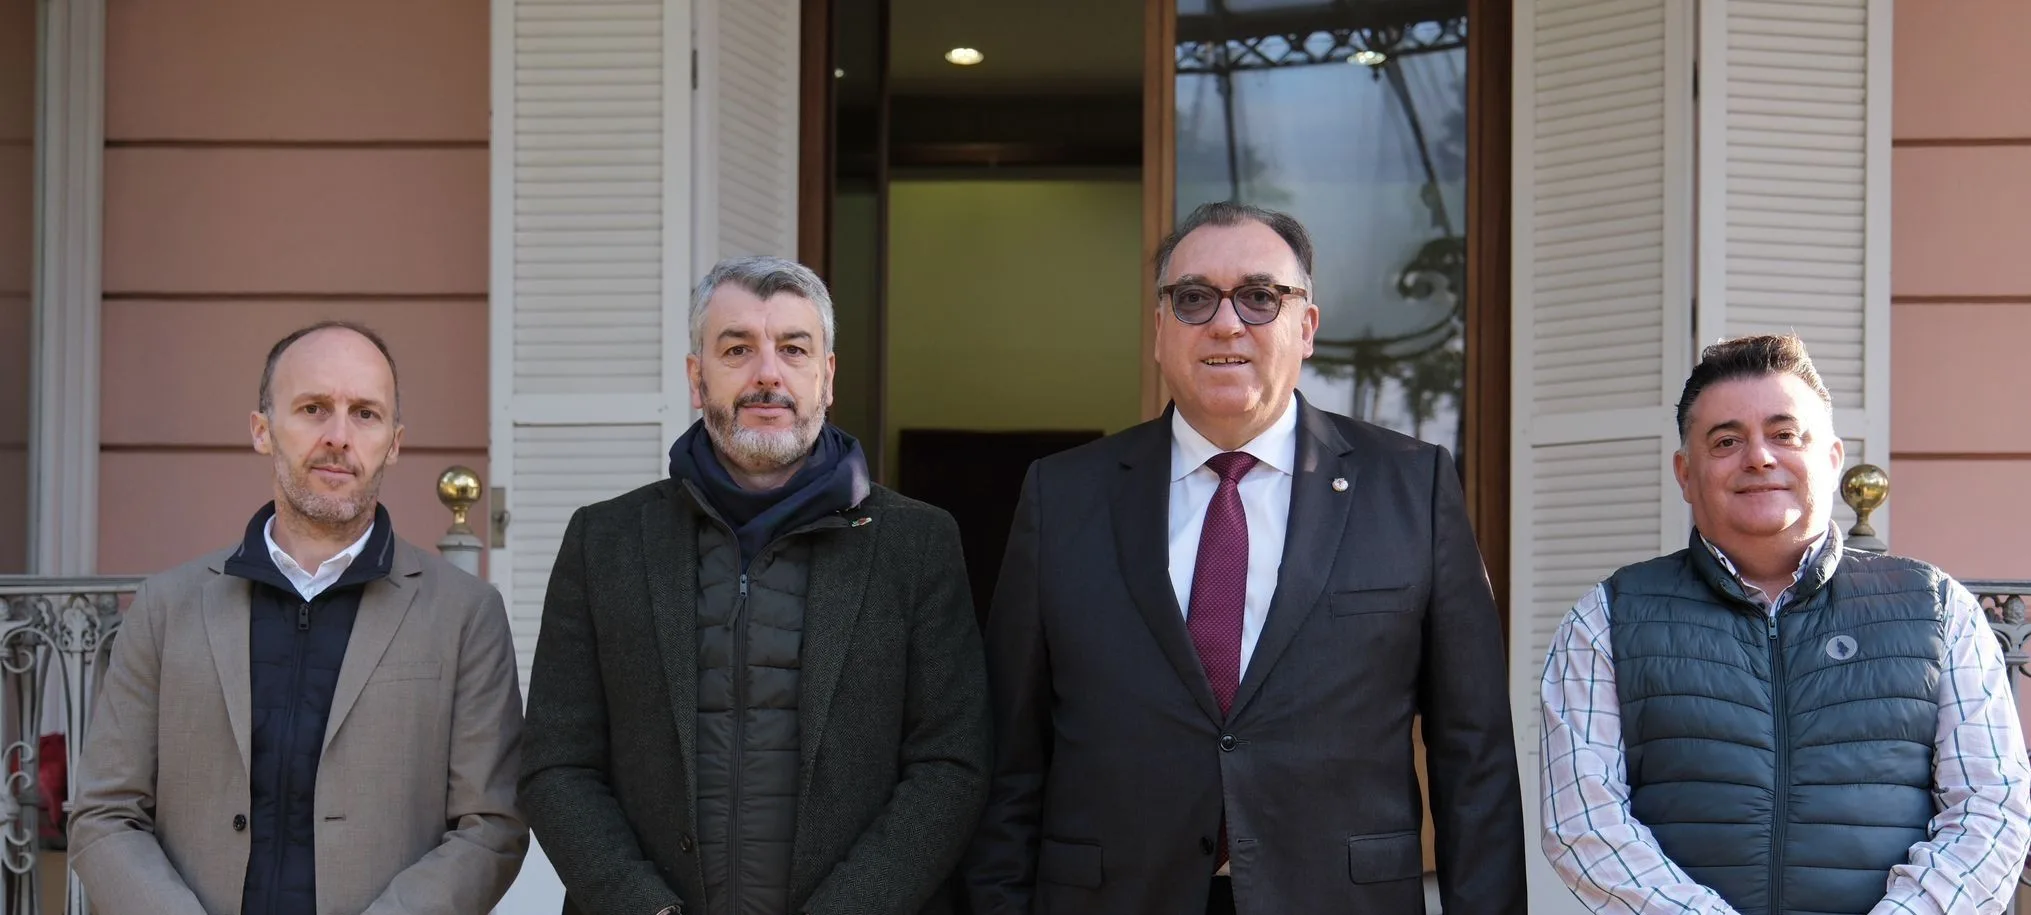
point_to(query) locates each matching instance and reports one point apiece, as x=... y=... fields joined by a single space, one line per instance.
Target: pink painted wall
x=17 y=255
x=1960 y=442
x=269 y=165
x=1961 y=286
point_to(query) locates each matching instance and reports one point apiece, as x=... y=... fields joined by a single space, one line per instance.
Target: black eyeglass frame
x=1166 y=295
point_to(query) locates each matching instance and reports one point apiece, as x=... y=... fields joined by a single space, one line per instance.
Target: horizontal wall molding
x=1960 y=456
x=1950 y=142
x=141 y=143
x=1960 y=299
x=130 y=296
x=410 y=451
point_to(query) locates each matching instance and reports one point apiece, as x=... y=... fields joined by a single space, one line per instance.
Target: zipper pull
x=743 y=584
x=1773 y=627
x=303 y=617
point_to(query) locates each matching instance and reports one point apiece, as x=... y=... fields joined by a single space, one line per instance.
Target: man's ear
x=257 y=427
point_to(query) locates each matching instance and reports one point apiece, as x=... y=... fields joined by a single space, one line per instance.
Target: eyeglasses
x=1254 y=303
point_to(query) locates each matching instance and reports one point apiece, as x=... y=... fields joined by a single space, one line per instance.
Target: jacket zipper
x=282 y=758
x=738 y=662
x=739 y=746
x=1783 y=781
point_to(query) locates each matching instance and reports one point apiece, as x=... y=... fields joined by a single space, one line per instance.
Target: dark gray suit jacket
x=1113 y=764
x=892 y=710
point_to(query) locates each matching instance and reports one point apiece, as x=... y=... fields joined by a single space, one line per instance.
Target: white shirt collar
x=309 y=583
x=1811 y=553
x=1276 y=447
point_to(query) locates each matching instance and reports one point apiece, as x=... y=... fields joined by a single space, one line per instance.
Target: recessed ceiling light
x=1368 y=58
x=965 y=57
x=838 y=74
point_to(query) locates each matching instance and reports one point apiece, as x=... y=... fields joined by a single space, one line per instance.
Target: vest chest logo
x=1841 y=647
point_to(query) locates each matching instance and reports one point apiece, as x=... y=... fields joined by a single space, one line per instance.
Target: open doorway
x=986 y=216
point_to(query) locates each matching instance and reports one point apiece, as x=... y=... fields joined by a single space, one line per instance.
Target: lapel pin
x=1339 y=484
x=862 y=521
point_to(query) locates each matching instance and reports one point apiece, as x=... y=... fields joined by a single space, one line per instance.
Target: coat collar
x=227 y=613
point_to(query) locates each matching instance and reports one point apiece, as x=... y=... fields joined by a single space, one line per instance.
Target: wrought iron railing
x=2008 y=607
x=55 y=634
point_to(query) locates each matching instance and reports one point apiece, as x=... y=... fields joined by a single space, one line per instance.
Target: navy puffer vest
x=1786 y=763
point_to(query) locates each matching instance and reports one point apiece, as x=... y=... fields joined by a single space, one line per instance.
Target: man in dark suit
x=758 y=688
x=1212 y=632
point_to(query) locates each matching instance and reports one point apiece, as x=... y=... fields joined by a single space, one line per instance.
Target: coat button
x=1227 y=742
x=1206 y=844
x=684 y=843
x=239 y=822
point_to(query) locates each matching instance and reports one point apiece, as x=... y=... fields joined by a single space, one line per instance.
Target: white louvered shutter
x=1602 y=321
x=617 y=182
x=746 y=173
x=591 y=241
x=1796 y=160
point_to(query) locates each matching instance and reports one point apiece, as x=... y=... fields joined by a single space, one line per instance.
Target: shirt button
x=239 y=822
x=1227 y=742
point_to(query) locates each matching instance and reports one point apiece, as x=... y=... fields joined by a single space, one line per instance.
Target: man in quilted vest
x=1766 y=721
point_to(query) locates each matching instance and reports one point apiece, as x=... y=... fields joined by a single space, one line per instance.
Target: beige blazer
x=415 y=809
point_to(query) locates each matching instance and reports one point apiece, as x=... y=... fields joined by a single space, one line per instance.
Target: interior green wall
x=855 y=288
x=1014 y=304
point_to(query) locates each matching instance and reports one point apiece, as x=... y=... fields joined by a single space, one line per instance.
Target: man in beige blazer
x=321 y=719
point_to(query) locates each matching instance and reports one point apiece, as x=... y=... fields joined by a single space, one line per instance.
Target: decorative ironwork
x=1424 y=361
x=2007 y=604
x=54 y=637
x=1322 y=46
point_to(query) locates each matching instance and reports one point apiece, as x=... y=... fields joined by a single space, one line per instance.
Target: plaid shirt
x=1981 y=782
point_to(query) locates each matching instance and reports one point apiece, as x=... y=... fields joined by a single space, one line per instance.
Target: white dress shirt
x=1265 y=499
x=1614 y=864
x=308 y=584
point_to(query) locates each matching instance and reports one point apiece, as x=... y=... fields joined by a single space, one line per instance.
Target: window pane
x=18 y=33
x=1351 y=117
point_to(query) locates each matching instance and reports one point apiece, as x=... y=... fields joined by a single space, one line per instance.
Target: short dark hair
x=1229 y=213
x=1749 y=357
x=267 y=401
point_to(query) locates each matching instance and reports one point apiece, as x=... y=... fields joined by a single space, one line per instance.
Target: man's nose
x=338 y=431
x=1759 y=452
x=1226 y=320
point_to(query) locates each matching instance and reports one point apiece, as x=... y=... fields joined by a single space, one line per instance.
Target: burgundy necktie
x=1220 y=579
x=1220 y=589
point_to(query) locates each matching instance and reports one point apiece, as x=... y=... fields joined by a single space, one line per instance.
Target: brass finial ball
x=458 y=488
x=1865 y=487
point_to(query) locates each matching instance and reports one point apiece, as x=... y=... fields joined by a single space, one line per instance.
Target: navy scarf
x=833 y=479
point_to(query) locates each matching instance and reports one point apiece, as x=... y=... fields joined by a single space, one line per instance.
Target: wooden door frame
x=1486 y=401
x=1484 y=449
x=815 y=131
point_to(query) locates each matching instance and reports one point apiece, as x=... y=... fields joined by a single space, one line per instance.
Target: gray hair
x=764 y=276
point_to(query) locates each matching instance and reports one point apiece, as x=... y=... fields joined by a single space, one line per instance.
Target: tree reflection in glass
x=1350 y=116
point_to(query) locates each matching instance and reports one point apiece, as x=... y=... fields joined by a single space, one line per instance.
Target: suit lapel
x=227 y=621
x=670 y=558
x=841 y=562
x=1312 y=541
x=384 y=604
x=1142 y=500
